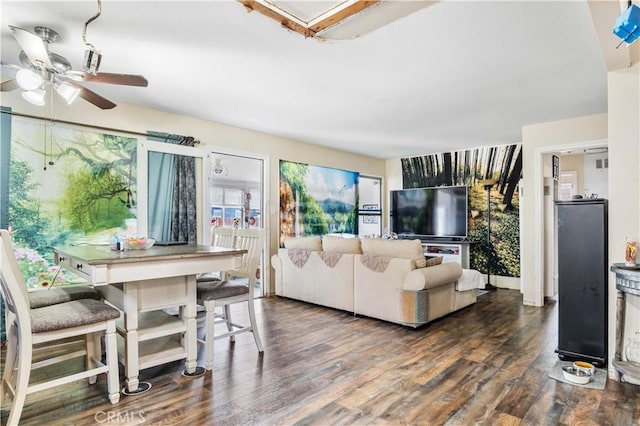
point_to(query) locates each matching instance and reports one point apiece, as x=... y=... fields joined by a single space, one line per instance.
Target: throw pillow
x=304 y=243
x=405 y=249
x=341 y=245
x=433 y=261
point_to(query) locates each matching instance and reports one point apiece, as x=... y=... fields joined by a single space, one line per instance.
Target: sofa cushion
x=433 y=261
x=305 y=243
x=341 y=245
x=405 y=249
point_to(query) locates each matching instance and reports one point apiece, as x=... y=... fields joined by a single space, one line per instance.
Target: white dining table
x=142 y=284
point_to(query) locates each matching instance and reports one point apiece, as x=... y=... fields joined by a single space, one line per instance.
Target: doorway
x=546 y=235
x=237 y=200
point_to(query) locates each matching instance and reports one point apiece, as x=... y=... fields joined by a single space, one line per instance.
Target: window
x=568 y=185
x=370 y=206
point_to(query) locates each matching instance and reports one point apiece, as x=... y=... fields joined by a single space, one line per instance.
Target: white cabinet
x=450 y=251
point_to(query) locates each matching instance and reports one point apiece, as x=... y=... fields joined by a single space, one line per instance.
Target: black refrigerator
x=582 y=280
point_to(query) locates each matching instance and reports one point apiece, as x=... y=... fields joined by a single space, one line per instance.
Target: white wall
x=624 y=183
x=537 y=139
x=393 y=172
x=596 y=181
x=574 y=162
x=621 y=127
x=138 y=119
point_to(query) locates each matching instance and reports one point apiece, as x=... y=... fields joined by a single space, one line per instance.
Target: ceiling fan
x=41 y=68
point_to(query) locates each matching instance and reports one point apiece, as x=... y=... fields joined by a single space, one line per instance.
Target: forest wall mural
x=469 y=167
x=316 y=200
x=65 y=185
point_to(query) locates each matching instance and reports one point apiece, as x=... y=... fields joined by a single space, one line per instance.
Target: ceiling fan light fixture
x=92 y=60
x=28 y=80
x=68 y=92
x=36 y=97
x=42 y=68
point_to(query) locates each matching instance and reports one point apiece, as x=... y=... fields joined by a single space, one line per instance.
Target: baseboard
x=511 y=283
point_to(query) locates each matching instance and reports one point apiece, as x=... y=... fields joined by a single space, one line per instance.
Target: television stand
x=451 y=251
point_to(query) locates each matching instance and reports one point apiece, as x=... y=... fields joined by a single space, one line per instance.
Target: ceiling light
x=68 y=92
x=220 y=169
x=35 y=97
x=28 y=80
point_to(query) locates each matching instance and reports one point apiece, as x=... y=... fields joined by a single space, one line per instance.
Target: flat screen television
x=438 y=212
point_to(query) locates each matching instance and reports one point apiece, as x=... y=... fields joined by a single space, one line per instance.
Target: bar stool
x=34 y=330
x=223 y=293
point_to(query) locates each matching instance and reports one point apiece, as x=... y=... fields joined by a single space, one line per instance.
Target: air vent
x=602 y=163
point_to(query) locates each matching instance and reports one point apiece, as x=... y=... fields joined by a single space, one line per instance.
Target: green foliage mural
x=503 y=252
x=316 y=200
x=502 y=165
x=65 y=186
x=32 y=227
x=92 y=201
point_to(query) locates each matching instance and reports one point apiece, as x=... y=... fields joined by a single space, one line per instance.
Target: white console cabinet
x=451 y=251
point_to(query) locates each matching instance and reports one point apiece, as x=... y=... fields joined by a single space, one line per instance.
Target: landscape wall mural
x=468 y=167
x=316 y=200
x=65 y=185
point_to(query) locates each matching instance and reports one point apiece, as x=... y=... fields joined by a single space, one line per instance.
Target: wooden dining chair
x=223 y=237
x=32 y=332
x=220 y=237
x=55 y=294
x=237 y=288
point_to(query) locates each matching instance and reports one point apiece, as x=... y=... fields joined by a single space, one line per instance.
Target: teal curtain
x=5 y=149
x=172 y=192
x=161 y=179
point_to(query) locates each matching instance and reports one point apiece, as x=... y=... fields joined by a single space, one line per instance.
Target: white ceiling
x=449 y=76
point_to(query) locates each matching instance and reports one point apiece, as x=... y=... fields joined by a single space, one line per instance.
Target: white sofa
x=384 y=279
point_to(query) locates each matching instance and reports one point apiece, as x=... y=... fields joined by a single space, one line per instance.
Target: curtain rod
x=93 y=126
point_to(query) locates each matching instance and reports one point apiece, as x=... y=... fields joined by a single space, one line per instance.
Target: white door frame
x=538 y=205
x=265 y=275
x=203 y=169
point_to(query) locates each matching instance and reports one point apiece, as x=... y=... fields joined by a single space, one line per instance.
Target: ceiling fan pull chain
x=45 y=148
x=51 y=163
x=50 y=153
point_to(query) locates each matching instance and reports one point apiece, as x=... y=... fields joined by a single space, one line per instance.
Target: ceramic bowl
x=585 y=366
x=575 y=375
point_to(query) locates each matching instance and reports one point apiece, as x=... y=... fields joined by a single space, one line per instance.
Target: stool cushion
x=215 y=290
x=208 y=277
x=53 y=296
x=71 y=314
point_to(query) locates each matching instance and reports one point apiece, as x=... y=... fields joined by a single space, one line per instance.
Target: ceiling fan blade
x=123 y=79
x=93 y=97
x=33 y=46
x=9 y=85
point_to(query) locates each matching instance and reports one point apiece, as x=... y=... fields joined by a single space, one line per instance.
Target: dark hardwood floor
x=486 y=364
